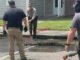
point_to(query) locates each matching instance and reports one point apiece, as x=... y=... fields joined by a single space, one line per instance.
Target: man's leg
x=35 y=27
x=19 y=41
x=11 y=44
x=30 y=28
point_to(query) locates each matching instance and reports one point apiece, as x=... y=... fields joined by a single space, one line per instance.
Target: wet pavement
x=43 y=49
x=46 y=49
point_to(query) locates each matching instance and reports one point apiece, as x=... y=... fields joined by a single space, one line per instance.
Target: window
x=56 y=3
x=61 y=3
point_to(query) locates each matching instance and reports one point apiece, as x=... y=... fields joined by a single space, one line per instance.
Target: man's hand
x=65 y=52
x=30 y=21
x=65 y=57
x=25 y=29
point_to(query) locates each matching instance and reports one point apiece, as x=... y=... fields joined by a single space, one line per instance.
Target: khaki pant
x=15 y=34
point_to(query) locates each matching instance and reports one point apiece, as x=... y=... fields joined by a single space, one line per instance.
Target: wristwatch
x=67 y=44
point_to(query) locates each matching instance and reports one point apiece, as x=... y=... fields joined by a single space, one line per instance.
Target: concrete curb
x=44 y=36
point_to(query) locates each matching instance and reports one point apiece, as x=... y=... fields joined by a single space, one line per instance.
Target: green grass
x=55 y=24
x=1 y=23
x=63 y=24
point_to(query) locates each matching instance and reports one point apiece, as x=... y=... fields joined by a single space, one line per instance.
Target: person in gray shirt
x=32 y=18
x=75 y=27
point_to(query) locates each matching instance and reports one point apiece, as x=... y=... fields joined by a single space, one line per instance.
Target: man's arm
x=4 y=25
x=24 y=20
x=72 y=31
x=25 y=23
x=70 y=37
x=71 y=34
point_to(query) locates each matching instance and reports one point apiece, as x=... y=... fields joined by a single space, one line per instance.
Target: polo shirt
x=14 y=17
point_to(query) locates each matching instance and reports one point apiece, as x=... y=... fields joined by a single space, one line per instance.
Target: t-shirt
x=14 y=17
x=76 y=23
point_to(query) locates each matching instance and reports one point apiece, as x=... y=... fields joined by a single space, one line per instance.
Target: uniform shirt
x=76 y=23
x=32 y=13
x=14 y=17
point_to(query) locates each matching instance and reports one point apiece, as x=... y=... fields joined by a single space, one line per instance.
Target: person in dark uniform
x=13 y=18
x=32 y=18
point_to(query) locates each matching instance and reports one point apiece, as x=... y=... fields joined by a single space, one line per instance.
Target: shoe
x=24 y=58
x=34 y=37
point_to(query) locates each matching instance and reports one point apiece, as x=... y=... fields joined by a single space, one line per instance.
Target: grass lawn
x=63 y=24
x=55 y=24
x=1 y=23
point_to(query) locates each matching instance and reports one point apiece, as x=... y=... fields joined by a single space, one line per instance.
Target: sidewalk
x=45 y=33
x=41 y=56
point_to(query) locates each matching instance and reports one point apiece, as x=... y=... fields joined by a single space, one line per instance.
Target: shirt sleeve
x=5 y=17
x=34 y=14
x=75 y=22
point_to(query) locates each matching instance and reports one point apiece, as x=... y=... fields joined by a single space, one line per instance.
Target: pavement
x=42 y=55
x=46 y=34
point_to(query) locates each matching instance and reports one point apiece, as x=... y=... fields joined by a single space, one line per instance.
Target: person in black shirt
x=13 y=21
